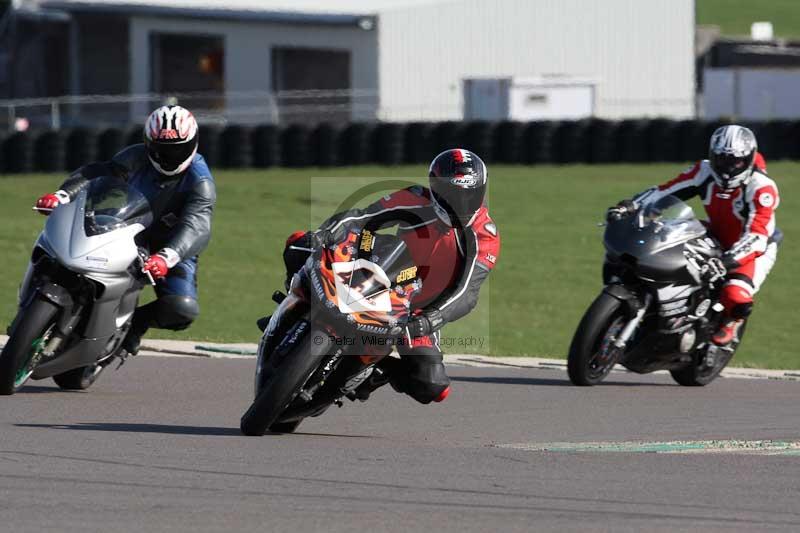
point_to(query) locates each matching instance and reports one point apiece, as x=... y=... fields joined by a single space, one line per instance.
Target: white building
x=388 y=59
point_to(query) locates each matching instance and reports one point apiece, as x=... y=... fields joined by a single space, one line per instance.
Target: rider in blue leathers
x=180 y=188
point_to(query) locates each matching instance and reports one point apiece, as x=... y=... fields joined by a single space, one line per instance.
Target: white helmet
x=731 y=154
x=171 y=138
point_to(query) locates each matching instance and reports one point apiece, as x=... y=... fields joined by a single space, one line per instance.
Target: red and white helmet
x=171 y=138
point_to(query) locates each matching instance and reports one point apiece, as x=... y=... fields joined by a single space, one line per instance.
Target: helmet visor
x=463 y=203
x=171 y=156
x=729 y=165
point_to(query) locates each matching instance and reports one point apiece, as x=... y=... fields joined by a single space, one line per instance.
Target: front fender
x=56 y=294
x=279 y=348
x=632 y=301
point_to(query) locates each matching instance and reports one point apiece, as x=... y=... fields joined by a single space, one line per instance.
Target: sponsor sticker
x=170 y=219
x=98 y=262
x=168 y=135
x=367 y=241
x=703 y=307
x=407 y=274
x=464 y=181
x=766 y=199
x=491 y=258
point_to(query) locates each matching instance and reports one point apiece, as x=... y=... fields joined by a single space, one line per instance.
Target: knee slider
x=294 y=258
x=427 y=383
x=176 y=312
x=740 y=311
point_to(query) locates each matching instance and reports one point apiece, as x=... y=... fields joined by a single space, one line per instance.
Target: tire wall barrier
x=593 y=141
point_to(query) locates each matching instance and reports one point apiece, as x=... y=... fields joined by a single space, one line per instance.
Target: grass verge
x=548 y=270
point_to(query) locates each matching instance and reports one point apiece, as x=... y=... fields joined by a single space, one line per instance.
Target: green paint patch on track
x=226 y=350
x=752 y=447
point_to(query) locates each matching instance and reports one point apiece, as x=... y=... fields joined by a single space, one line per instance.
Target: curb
x=210 y=350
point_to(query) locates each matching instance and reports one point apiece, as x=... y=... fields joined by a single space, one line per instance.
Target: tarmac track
x=156 y=447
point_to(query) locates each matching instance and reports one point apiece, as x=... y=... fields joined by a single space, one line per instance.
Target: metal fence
x=337 y=107
x=254 y=107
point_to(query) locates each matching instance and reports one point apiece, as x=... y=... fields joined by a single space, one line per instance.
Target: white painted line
x=747 y=447
x=174 y=348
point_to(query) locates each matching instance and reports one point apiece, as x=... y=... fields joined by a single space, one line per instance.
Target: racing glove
x=156 y=265
x=714 y=270
x=621 y=210
x=321 y=238
x=423 y=325
x=48 y=202
x=729 y=261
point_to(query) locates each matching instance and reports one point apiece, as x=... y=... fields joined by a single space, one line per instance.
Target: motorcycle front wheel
x=28 y=339
x=592 y=353
x=284 y=380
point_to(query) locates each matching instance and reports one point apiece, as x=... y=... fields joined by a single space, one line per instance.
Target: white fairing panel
x=350 y=298
x=109 y=253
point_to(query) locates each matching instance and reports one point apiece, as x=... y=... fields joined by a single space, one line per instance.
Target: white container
x=529 y=98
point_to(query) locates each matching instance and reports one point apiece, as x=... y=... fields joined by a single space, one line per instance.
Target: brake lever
x=142 y=260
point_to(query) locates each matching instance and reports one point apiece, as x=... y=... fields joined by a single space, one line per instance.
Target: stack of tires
x=593 y=141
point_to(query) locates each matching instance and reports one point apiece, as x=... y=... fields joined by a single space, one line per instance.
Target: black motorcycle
x=660 y=304
x=345 y=309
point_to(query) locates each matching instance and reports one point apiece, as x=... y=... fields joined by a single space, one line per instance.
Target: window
x=188 y=63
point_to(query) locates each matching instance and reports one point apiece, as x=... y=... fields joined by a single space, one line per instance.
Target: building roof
x=291 y=11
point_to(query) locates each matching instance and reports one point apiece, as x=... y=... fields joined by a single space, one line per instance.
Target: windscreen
x=669 y=209
x=671 y=218
x=111 y=204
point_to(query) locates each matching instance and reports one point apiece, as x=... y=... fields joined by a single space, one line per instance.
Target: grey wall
x=753 y=94
x=640 y=51
x=248 y=53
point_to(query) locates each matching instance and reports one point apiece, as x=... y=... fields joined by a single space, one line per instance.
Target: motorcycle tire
x=594 y=325
x=698 y=376
x=78 y=378
x=284 y=427
x=285 y=377
x=29 y=330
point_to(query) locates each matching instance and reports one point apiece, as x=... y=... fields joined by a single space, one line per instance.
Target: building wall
x=640 y=51
x=751 y=94
x=248 y=52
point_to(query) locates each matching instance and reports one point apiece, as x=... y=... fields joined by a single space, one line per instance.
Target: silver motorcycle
x=80 y=290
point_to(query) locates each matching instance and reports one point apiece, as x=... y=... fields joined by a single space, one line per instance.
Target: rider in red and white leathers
x=740 y=200
x=454 y=243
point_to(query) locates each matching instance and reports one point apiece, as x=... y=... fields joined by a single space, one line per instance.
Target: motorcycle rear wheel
x=78 y=378
x=698 y=375
x=29 y=335
x=586 y=365
x=285 y=378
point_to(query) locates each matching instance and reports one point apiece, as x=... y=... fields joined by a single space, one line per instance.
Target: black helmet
x=170 y=136
x=458 y=183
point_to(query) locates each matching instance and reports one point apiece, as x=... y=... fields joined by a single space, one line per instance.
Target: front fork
x=627 y=332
